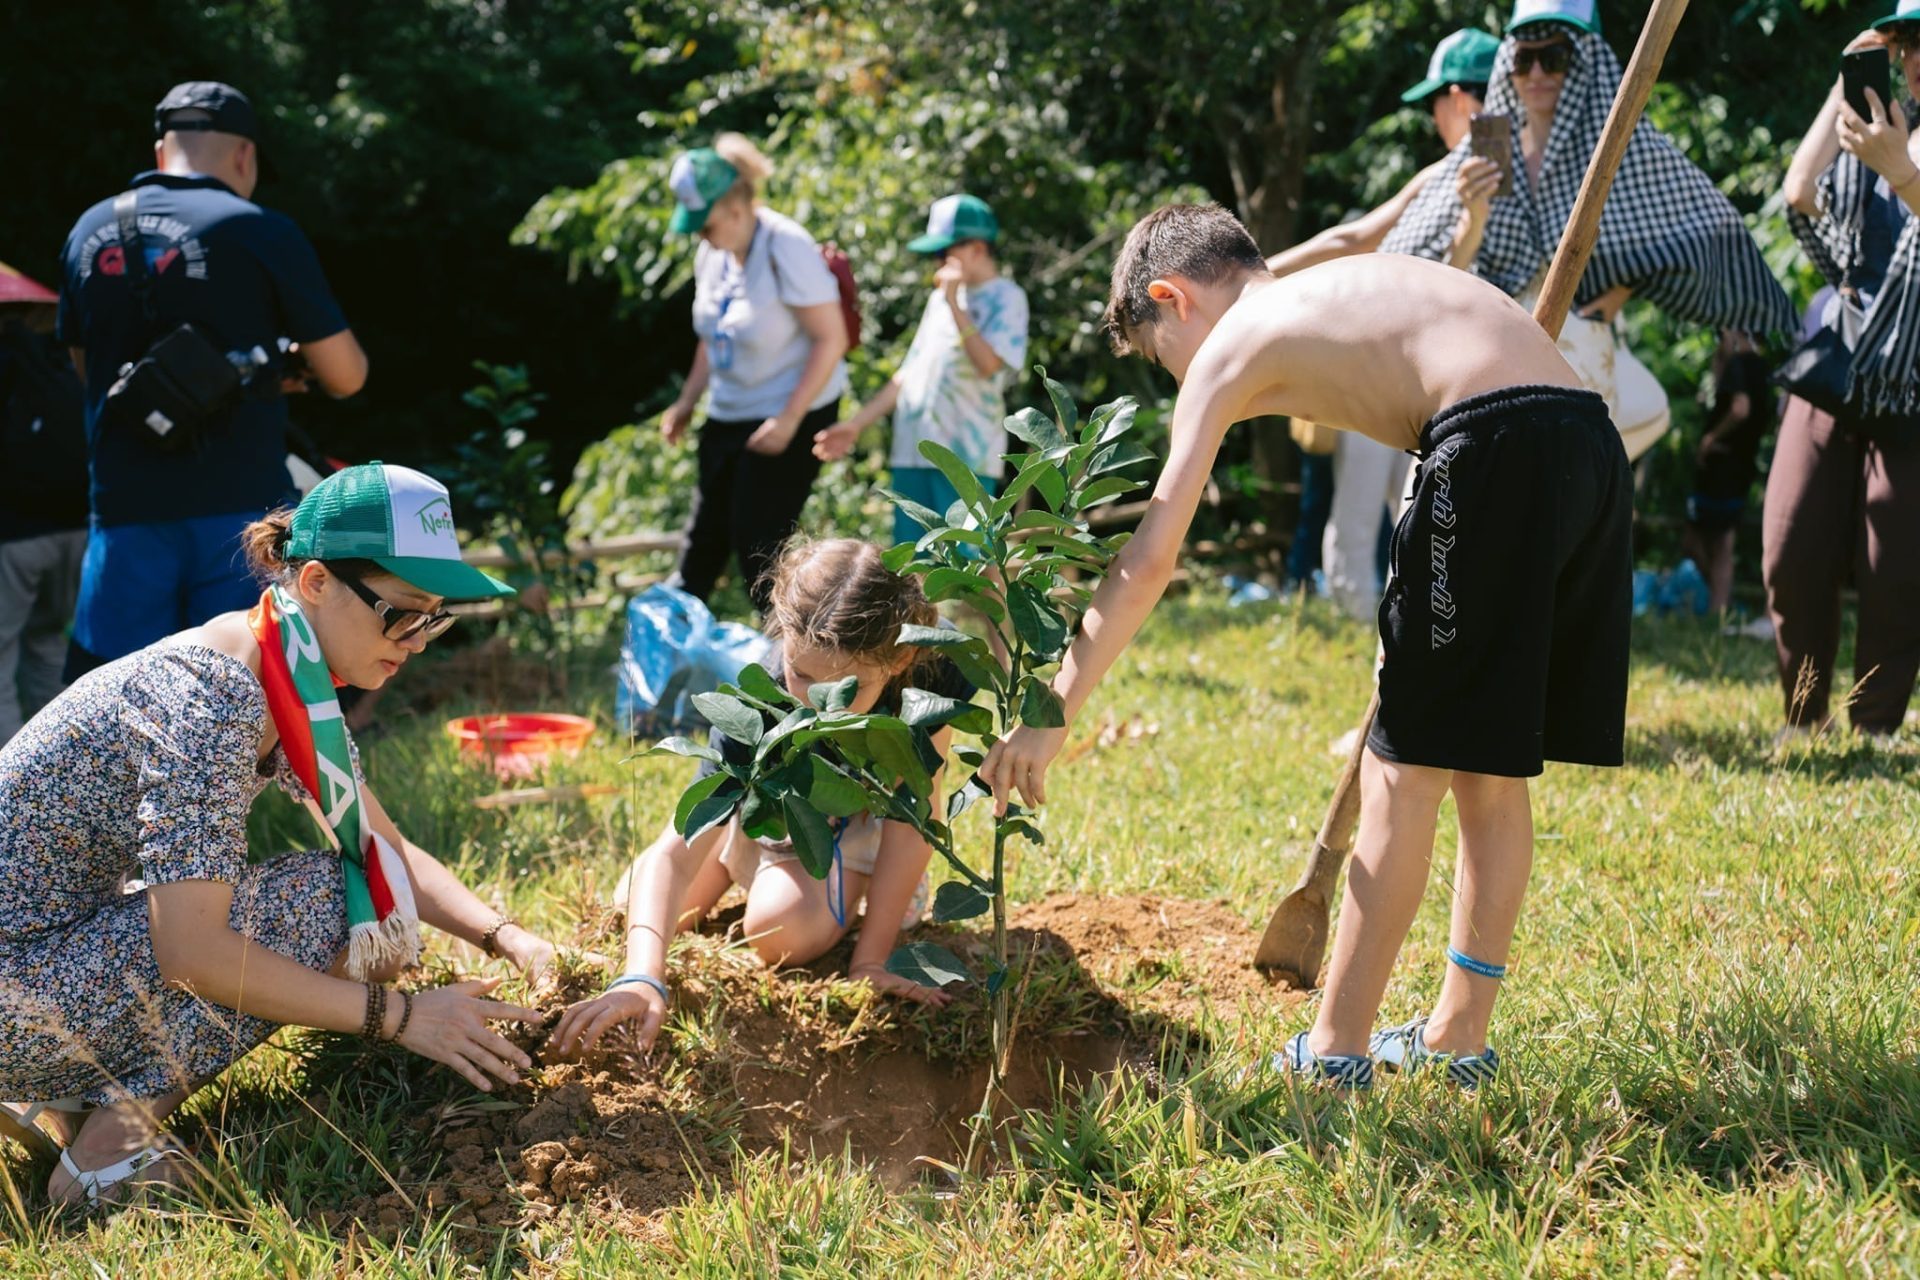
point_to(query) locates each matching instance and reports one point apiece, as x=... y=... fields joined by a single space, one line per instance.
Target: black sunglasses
x=1552 y=58
x=397 y=623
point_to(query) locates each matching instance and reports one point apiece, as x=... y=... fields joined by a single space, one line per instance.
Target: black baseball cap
x=228 y=110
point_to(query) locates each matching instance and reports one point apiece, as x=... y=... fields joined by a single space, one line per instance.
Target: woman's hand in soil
x=892 y=984
x=582 y=1025
x=449 y=1025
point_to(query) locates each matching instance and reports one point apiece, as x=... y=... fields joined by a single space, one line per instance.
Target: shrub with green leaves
x=1026 y=562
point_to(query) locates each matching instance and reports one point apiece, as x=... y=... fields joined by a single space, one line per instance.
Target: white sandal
x=23 y=1126
x=96 y=1183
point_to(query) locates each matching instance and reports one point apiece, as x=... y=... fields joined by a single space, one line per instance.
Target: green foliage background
x=485 y=178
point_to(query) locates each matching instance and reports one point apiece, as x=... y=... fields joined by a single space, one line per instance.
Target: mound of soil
x=802 y=1060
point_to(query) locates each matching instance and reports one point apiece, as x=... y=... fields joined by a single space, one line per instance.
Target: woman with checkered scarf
x=1667 y=234
x=1843 y=493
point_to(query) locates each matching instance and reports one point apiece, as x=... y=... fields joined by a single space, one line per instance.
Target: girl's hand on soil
x=836 y=441
x=1881 y=142
x=1018 y=762
x=892 y=984
x=582 y=1025
x=449 y=1025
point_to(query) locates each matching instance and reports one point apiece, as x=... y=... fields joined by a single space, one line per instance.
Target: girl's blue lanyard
x=733 y=286
x=837 y=878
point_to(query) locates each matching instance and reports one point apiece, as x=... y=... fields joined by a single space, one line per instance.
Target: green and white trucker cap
x=396 y=517
x=697 y=179
x=1584 y=14
x=954 y=219
x=1905 y=11
x=1465 y=57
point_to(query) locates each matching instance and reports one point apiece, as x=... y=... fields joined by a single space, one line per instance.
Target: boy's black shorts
x=1505 y=623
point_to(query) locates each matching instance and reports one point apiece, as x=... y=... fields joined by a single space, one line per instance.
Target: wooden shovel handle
x=1583 y=225
x=1343 y=814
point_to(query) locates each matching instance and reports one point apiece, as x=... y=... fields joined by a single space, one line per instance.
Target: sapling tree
x=1029 y=575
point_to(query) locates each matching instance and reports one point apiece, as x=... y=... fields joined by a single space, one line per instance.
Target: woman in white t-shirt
x=770 y=360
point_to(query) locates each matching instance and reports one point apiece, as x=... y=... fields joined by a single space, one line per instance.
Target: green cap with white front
x=954 y=219
x=1465 y=57
x=697 y=179
x=1905 y=11
x=1584 y=14
x=396 y=517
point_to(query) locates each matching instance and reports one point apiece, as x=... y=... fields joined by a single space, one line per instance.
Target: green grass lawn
x=1711 y=1050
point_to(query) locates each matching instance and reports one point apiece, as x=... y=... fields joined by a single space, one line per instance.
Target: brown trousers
x=1839 y=507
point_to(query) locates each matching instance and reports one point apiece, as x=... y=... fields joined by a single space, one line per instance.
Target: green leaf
x=958 y=474
x=969 y=653
x=731 y=716
x=890 y=744
x=833 y=792
x=966 y=794
x=998 y=979
x=1018 y=826
x=929 y=964
x=1101 y=416
x=795 y=720
x=925 y=517
x=1064 y=410
x=1120 y=454
x=1047 y=520
x=754 y=681
x=684 y=747
x=959 y=900
x=923 y=710
x=696 y=793
x=897 y=558
x=835 y=695
x=969 y=755
x=951 y=583
x=1030 y=426
x=972 y=537
x=1121 y=420
x=1105 y=489
x=760 y=817
x=811 y=834
x=710 y=811
x=1051 y=484
x=1037 y=622
x=1040 y=707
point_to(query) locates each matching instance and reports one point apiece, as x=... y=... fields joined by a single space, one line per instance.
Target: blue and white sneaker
x=1404 y=1048
x=1336 y=1070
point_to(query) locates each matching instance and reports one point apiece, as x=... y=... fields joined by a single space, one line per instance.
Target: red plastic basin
x=516 y=743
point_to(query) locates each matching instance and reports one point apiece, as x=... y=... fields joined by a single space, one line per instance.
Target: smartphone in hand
x=1862 y=70
x=1491 y=138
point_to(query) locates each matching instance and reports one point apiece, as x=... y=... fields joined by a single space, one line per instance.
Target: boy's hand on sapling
x=1018 y=762
x=582 y=1025
x=892 y=984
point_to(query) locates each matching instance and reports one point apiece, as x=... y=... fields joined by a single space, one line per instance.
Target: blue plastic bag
x=673 y=650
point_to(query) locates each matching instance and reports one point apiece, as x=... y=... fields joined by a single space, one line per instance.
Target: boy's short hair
x=1202 y=242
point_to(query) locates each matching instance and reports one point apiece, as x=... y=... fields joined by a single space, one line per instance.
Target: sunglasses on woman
x=397 y=623
x=1554 y=59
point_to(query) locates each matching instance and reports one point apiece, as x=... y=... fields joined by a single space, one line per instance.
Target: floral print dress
x=143 y=768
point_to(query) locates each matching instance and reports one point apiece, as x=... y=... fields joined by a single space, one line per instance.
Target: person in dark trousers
x=43 y=500
x=164 y=551
x=1843 y=493
x=1727 y=461
x=770 y=361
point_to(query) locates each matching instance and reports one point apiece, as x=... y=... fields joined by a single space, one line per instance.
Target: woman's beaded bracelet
x=376 y=1019
x=406 y=1015
x=648 y=979
x=490 y=940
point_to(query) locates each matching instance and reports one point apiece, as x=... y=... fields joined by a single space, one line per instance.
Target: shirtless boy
x=1504 y=627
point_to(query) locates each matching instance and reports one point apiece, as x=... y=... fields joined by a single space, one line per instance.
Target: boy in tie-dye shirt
x=952 y=386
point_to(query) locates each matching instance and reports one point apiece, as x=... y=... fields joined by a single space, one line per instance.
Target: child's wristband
x=626 y=979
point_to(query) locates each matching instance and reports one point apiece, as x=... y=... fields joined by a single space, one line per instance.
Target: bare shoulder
x=229 y=634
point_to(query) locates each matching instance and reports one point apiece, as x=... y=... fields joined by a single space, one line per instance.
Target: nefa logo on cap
x=436 y=518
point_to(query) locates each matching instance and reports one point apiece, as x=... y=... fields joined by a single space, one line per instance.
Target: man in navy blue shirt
x=163 y=553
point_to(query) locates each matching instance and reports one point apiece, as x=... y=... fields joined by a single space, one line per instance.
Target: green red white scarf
x=382 y=924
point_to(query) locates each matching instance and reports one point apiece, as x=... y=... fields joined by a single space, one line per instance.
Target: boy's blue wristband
x=1480 y=967
x=626 y=979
